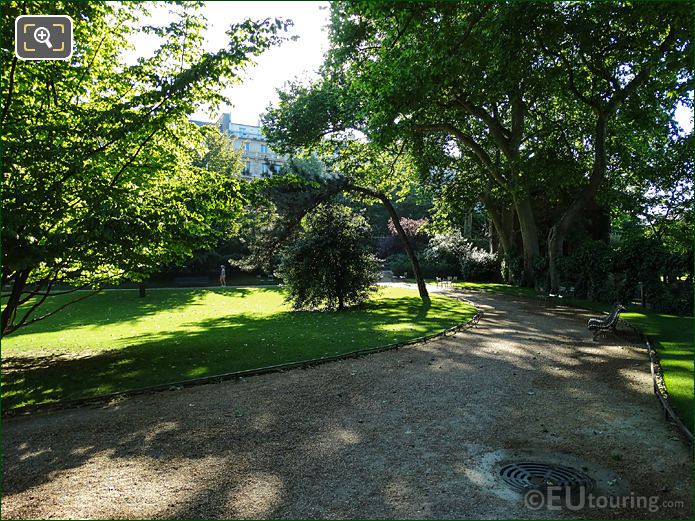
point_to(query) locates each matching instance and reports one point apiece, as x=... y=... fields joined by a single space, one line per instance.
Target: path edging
x=659 y=384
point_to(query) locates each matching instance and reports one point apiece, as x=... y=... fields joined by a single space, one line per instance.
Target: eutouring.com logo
x=559 y=498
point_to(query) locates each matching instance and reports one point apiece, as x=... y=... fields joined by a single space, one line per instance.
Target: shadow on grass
x=222 y=345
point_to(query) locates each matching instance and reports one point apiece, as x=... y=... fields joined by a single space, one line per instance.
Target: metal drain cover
x=539 y=476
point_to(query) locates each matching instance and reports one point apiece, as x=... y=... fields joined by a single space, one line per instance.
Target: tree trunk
x=558 y=232
x=529 y=236
x=421 y=286
x=142 y=290
x=10 y=309
x=503 y=225
x=468 y=225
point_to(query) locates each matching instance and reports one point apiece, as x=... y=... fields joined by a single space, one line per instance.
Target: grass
x=672 y=337
x=116 y=341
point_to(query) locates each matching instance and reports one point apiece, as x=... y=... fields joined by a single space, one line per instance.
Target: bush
x=387 y=246
x=606 y=273
x=453 y=255
x=330 y=264
x=398 y=264
x=513 y=267
x=446 y=248
x=588 y=269
x=478 y=265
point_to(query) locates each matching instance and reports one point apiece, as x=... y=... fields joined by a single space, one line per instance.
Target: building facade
x=259 y=160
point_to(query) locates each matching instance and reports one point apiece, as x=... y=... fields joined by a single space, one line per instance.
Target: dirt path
x=414 y=433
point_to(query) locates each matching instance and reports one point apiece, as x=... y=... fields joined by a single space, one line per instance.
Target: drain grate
x=539 y=476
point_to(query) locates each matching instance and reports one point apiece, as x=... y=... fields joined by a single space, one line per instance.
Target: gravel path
x=414 y=433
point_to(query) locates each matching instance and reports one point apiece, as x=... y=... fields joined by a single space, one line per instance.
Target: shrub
x=478 y=265
x=398 y=264
x=446 y=248
x=454 y=255
x=513 y=267
x=330 y=264
x=587 y=269
x=388 y=245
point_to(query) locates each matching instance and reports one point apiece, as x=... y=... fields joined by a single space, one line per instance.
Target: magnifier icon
x=43 y=35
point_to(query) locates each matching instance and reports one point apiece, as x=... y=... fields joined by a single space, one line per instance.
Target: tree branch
x=23 y=324
x=471 y=144
x=499 y=133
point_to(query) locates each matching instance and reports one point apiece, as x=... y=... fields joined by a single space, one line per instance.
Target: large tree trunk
x=529 y=236
x=10 y=309
x=558 y=232
x=421 y=286
x=503 y=225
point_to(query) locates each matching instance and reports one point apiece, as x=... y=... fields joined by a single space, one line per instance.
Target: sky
x=298 y=59
x=292 y=59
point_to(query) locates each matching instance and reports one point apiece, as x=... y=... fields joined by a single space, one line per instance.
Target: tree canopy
x=100 y=182
x=519 y=107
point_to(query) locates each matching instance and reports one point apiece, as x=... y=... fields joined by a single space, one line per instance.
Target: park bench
x=191 y=281
x=546 y=298
x=445 y=283
x=598 y=325
x=387 y=275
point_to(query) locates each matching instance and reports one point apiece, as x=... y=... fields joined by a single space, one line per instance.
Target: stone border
x=659 y=383
x=175 y=386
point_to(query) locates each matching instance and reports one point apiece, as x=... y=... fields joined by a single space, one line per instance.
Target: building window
x=264 y=149
x=264 y=170
x=247 y=170
x=247 y=147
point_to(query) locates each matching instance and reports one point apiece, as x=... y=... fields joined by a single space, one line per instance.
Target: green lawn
x=118 y=341
x=672 y=337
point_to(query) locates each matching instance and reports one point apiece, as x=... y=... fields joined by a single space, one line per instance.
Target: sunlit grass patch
x=117 y=341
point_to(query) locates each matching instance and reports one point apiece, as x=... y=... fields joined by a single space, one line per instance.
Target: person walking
x=223 y=276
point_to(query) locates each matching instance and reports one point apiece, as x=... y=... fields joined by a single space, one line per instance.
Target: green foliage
x=513 y=264
x=103 y=179
x=399 y=264
x=588 y=271
x=217 y=153
x=330 y=263
x=511 y=104
x=452 y=254
x=609 y=273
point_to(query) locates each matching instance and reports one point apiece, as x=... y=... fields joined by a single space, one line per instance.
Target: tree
x=610 y=55
x=330 y=263
x=434 y=69
x=98 y=183
x=525 y=92
x=217 y=153
x=314 y=120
